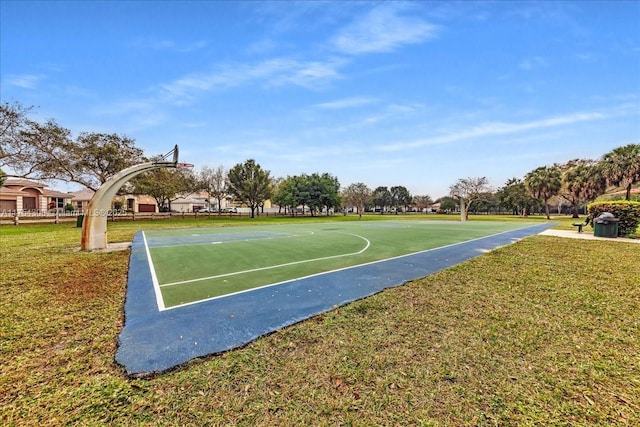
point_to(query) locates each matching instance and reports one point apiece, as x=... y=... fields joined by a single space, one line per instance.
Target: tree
x=14 y=123
x=400 y=196
x=382 y=198
x=447 y=204
x=249 y=184
x=469 y=191
x=543 y=183
x=621 y=166
x=285 y=194
x=214 y=182
x=515 y=197
x=582 y=182
x=422 y=202
x=323 y=192
x=165 y=185
x=45 y=151
x=3 y=177
x=358 y=195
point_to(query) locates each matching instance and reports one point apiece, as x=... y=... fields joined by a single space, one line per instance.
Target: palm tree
x=544 y=183
x=621 y=166
x=583 y=182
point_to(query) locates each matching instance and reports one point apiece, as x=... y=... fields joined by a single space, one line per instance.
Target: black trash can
x=79 y=220
x=605 y=225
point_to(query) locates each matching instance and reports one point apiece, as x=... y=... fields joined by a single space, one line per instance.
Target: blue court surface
x=155 y=339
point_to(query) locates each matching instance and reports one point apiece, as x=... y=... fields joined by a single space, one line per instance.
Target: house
x=26 y=196
x=80 y=199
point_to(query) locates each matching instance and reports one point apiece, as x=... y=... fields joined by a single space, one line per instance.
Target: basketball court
x=201 y=291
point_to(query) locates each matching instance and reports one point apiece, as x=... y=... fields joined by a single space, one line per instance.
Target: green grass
x=190 y=268
x=542 y=332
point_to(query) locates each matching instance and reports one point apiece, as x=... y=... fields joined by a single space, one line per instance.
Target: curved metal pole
x=94 y=225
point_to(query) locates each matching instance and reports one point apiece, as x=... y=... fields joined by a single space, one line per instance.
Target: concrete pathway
x=585 y=235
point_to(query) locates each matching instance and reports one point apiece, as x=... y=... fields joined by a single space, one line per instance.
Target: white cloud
x=25 y=81
x=494 y=129
x=273 y=72
x=383 y=30
x=356 y=101
x=168 y=45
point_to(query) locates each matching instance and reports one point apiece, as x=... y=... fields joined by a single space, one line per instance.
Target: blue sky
x=417 y=94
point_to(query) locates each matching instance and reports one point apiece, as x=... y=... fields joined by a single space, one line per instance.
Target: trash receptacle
x=605 y=225
x=79 y=220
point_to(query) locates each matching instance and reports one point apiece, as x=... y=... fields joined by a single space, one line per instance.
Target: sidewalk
x=585 y=235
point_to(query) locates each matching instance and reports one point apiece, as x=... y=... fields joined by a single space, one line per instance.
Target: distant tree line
x=46 y=151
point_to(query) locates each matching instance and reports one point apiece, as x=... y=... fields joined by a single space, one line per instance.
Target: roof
x=4 y=191
x=21 y=182
x=85 y=194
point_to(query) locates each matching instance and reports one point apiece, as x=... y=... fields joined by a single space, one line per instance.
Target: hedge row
x=627 y=212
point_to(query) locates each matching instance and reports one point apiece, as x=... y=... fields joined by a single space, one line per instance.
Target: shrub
x=627 y=211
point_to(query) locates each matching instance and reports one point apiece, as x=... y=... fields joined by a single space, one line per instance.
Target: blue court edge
x=154 y=341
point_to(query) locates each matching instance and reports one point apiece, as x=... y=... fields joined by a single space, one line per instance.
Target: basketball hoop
x=183 y=165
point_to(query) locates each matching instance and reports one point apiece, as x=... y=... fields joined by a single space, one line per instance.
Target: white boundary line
x=228 y=242
x=154 y=278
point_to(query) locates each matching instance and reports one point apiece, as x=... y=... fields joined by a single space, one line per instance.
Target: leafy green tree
x=315 y=191
x=100 y=156
x=543 y=183
x=285 y=194
x=486 y=202
x=44 y=151
x=249 y=184
x=515 y=197
x=400 y=197
x=381 y=198
x=165 y=185
x=3 y=177
x=447 y=204
x=582 y=182
x=621 y=166
x=323 y=192
x=358 y=195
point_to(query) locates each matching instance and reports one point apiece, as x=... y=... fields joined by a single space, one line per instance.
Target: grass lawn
x=542 y=332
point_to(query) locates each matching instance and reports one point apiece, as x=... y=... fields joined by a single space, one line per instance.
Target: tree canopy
x=469 y=191
x=358 y=195
x=45 y=151
x=543 y=183
x=214 y=182
x=400 y=197
x=582 y=182
x=316 y=191
x=515 y=196
x=621 y=166
x=249 y=184
x=381 y=197
x=165 y=185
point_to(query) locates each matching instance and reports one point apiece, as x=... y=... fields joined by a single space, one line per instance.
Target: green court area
x=191 y=265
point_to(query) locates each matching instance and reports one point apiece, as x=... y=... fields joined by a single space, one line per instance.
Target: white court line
x=154 y=278
x=228 y=242
x=235 y=273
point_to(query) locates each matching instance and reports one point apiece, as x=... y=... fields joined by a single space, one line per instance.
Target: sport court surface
x=195 y=292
